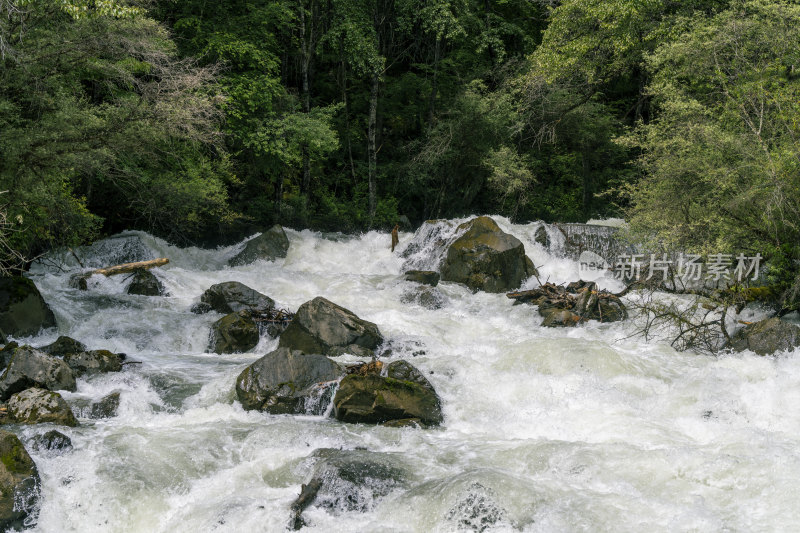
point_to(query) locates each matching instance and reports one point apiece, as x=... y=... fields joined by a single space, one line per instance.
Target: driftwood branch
x=130 y=267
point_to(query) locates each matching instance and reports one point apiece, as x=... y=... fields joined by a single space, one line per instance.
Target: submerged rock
x=107 y=407
x=39 y=406
x=29 y=368
x=477 y=510
x=62 y=346
x=485 y=258
x=233 y=333
x=348 y=481
x=766 y=337
x=94 y=362
x=53 y=441
x=560 y=318
x=19 y=483
x=322 y=327
x=231 y=297
x=270 y=245
x=145 y=283
x=23 y=311
x=288 y=382
x=425 y=277
x=373 y=399
x=427 y=297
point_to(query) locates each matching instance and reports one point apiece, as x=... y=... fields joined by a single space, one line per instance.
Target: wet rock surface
x=268 y=246
x=425 y=296
x=233 y=333
x=425 y=277
x=348 y=481
x=476 y=510
x=766 y=337
x=51 y=441
x=288 y=382
x=145 y=283
x=94 y=362
x=62 y=346
x=486 y=258
x=107 y=407
x=23 y=311
x=231 y=297
x=29 y=368
x=19 y=483
x=322 y=327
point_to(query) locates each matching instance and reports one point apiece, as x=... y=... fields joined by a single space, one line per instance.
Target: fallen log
x=130 y=267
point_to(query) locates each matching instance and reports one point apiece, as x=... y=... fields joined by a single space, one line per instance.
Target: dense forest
x=202 y=121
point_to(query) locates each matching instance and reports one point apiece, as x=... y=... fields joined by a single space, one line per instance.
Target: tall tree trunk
x=371 y=147
x=307 y=48
x=434 y=85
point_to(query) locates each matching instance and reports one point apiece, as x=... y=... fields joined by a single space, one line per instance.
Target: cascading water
x=581 y=429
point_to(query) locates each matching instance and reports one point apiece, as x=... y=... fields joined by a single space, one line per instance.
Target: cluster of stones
x=568 y=306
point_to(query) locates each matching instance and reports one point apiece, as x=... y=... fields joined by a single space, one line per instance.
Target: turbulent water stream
x=581 y=429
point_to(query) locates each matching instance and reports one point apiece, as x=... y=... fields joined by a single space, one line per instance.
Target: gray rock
x=348 y=481
x=270 y=245
x=145 y=283
x=372 y=399
x=767 y=337
x=427 y=297
x=426 y=277
x=405 y=371
x=94 y=362
x=19 y=483
x=233 y=333
x=62 y=346
x=40 y=406
x=6 y=352
x=107 y=407
x=52 y=441
x=23 y=311
x=487 y=259
x=322 y=327
x=560 y=318
x=29 y=368
x=288 y=382
x=231 y=297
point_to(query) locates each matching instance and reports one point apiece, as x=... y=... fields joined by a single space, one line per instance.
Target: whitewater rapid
x=581 y=429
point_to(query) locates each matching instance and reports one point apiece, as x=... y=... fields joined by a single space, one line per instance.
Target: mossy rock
x=107 y=407
x=94 y=362
x=19 y=482
x=374 y=399
x=23 y=311
x=233 y=333
x=485 y=258
x=40 y=406
x=767 y=337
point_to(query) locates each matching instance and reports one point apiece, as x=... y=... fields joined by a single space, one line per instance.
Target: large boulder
x=348 y=481
x=39 y=406
x=94 y=362
x=288 y=382
x=29 y=368
x=233 y=333
x=23 y=311
x=145 y=283
x=270 y=245
x=767 y=337
x=19 y=483
x=320 y=326
x=231 y=297
x=485 y=258
x=375 y=399
x=62 y=346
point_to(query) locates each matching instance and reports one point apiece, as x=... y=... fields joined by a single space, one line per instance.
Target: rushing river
x=582 y=429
